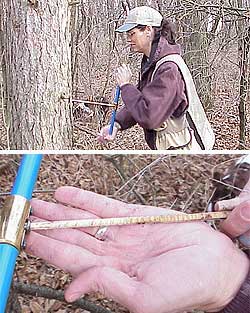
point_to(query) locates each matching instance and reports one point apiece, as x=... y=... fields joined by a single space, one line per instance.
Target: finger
x=58 y=212
x=101 y=139
x=228 y=205
x=102 y=132
x=74 y=237
x=130 y=72
x=119 y=70
x=110 y=282
x=82 y=240
x=103 y=206
x=98 y=205
x=238 y=222
x=124 y=68
x=111 y=137
x=119 y=75
x=70 y=258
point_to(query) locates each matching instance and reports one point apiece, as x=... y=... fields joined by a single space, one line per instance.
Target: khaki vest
x=175 y=133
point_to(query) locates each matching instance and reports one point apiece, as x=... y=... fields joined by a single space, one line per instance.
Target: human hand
x=104 y=135
x=147 y=268
x=238 y=222
x=123 y=75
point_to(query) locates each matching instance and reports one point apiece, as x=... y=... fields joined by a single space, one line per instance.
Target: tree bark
x=38 y=73
x=243 y=51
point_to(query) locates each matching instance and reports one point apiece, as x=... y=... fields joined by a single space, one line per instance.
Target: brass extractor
x=13 y=217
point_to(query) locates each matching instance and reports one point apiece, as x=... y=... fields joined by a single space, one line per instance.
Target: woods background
x=57 y=53
x=181 y=182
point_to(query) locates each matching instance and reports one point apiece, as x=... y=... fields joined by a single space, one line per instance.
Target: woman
x=159 y=103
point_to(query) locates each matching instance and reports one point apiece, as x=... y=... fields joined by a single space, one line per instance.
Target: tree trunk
x=244 y=53
x=37 y=77
x=195 y=46
x=243 y=32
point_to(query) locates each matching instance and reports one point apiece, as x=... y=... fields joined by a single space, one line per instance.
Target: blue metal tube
x=116 y=99
x=23 y=186
x=27 y=175
x=117 y=94
x=8 y=255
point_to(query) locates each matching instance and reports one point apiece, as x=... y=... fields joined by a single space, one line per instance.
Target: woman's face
x=140 y=40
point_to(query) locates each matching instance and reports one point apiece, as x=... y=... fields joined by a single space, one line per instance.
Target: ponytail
x=167 y=30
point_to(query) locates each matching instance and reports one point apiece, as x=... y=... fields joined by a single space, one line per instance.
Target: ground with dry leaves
x=183 y=182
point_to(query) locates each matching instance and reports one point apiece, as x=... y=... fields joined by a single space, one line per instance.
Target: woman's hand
x=104 y=135
x=123 y=75
x=150 y=268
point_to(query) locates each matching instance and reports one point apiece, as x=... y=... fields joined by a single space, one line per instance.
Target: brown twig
x=49 y=293
x=94 y=103
x=124 y=177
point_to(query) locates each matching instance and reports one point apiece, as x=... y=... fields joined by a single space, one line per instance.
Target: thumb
x=108 y=281
x=238 y=222
x=227 y=204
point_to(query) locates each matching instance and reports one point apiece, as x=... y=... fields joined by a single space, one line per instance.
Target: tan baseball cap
x=141 y=16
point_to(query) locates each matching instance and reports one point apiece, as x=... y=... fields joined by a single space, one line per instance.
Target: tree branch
x=49 y=293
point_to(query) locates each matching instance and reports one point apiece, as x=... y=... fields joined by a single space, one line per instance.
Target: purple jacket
x=152 y=103
x=241 y=303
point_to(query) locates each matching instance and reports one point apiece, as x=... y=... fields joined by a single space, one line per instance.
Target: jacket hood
x=165 y=48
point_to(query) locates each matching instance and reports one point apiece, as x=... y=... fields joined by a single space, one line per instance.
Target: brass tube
x=13 y=216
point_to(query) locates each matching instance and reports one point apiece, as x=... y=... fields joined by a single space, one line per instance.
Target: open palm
x=147 y=268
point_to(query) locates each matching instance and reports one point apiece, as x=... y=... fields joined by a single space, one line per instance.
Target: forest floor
x=182 y=182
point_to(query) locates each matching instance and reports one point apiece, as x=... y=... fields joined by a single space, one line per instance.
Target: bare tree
x=244 y=55
x=194 y=41
x=37 y=76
